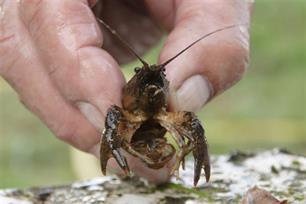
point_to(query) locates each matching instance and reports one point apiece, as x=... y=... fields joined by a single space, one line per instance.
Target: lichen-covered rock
x=278 y=172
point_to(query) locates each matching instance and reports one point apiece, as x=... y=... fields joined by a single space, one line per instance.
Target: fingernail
x=192 y=95
x=92 y=114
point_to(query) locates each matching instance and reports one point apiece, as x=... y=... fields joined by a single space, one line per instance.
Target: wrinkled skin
x=140 y=125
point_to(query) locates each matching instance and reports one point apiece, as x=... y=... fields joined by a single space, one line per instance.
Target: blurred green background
x=266 y=109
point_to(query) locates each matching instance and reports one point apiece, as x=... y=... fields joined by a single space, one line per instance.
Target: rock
x=259 y=196
x=276 y=171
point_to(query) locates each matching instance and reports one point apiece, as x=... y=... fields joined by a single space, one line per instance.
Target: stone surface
x=279 y=172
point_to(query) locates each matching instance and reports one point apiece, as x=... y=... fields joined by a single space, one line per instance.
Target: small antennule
x=123 y=41
x=201 y=38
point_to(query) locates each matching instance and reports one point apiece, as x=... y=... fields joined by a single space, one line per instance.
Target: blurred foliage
x=266 y=109
x=29 y=153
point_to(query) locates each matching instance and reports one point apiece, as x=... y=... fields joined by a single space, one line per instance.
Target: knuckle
x=237 y=57
x=233 y=60
x=238 y=60
x=241 y=56
x=79 y=27
x=241 y=49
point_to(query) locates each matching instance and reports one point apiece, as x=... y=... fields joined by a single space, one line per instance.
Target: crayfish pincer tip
x=207 y=178
x=197 y=176
x=207 y=173
x=103 y=167
x=127 y=171
x=195 y=180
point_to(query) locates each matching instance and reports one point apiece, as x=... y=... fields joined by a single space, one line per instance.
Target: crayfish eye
x=137 y=69
x=163 y=71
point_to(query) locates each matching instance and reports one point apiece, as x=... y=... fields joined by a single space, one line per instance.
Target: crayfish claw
x=201 y=161
x=111 y=141
x=200 y=152
x=121 y=160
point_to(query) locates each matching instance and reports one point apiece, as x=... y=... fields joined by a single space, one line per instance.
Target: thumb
x=213 y=64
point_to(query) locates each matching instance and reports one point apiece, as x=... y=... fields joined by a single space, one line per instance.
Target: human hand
x=49 y=53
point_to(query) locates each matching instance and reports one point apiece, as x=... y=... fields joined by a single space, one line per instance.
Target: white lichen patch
x=278 y=172
x=136 y=199
x=7 y=200
x=96 y=182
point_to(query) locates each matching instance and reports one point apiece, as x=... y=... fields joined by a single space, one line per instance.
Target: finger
x=156 y=176
x=22 y=67
x=134 y=25
x=215 y=63
x=69 y=39
x=163 y=13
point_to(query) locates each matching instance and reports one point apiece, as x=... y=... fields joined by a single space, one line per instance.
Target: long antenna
x=129 y=47
x=201 y=38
